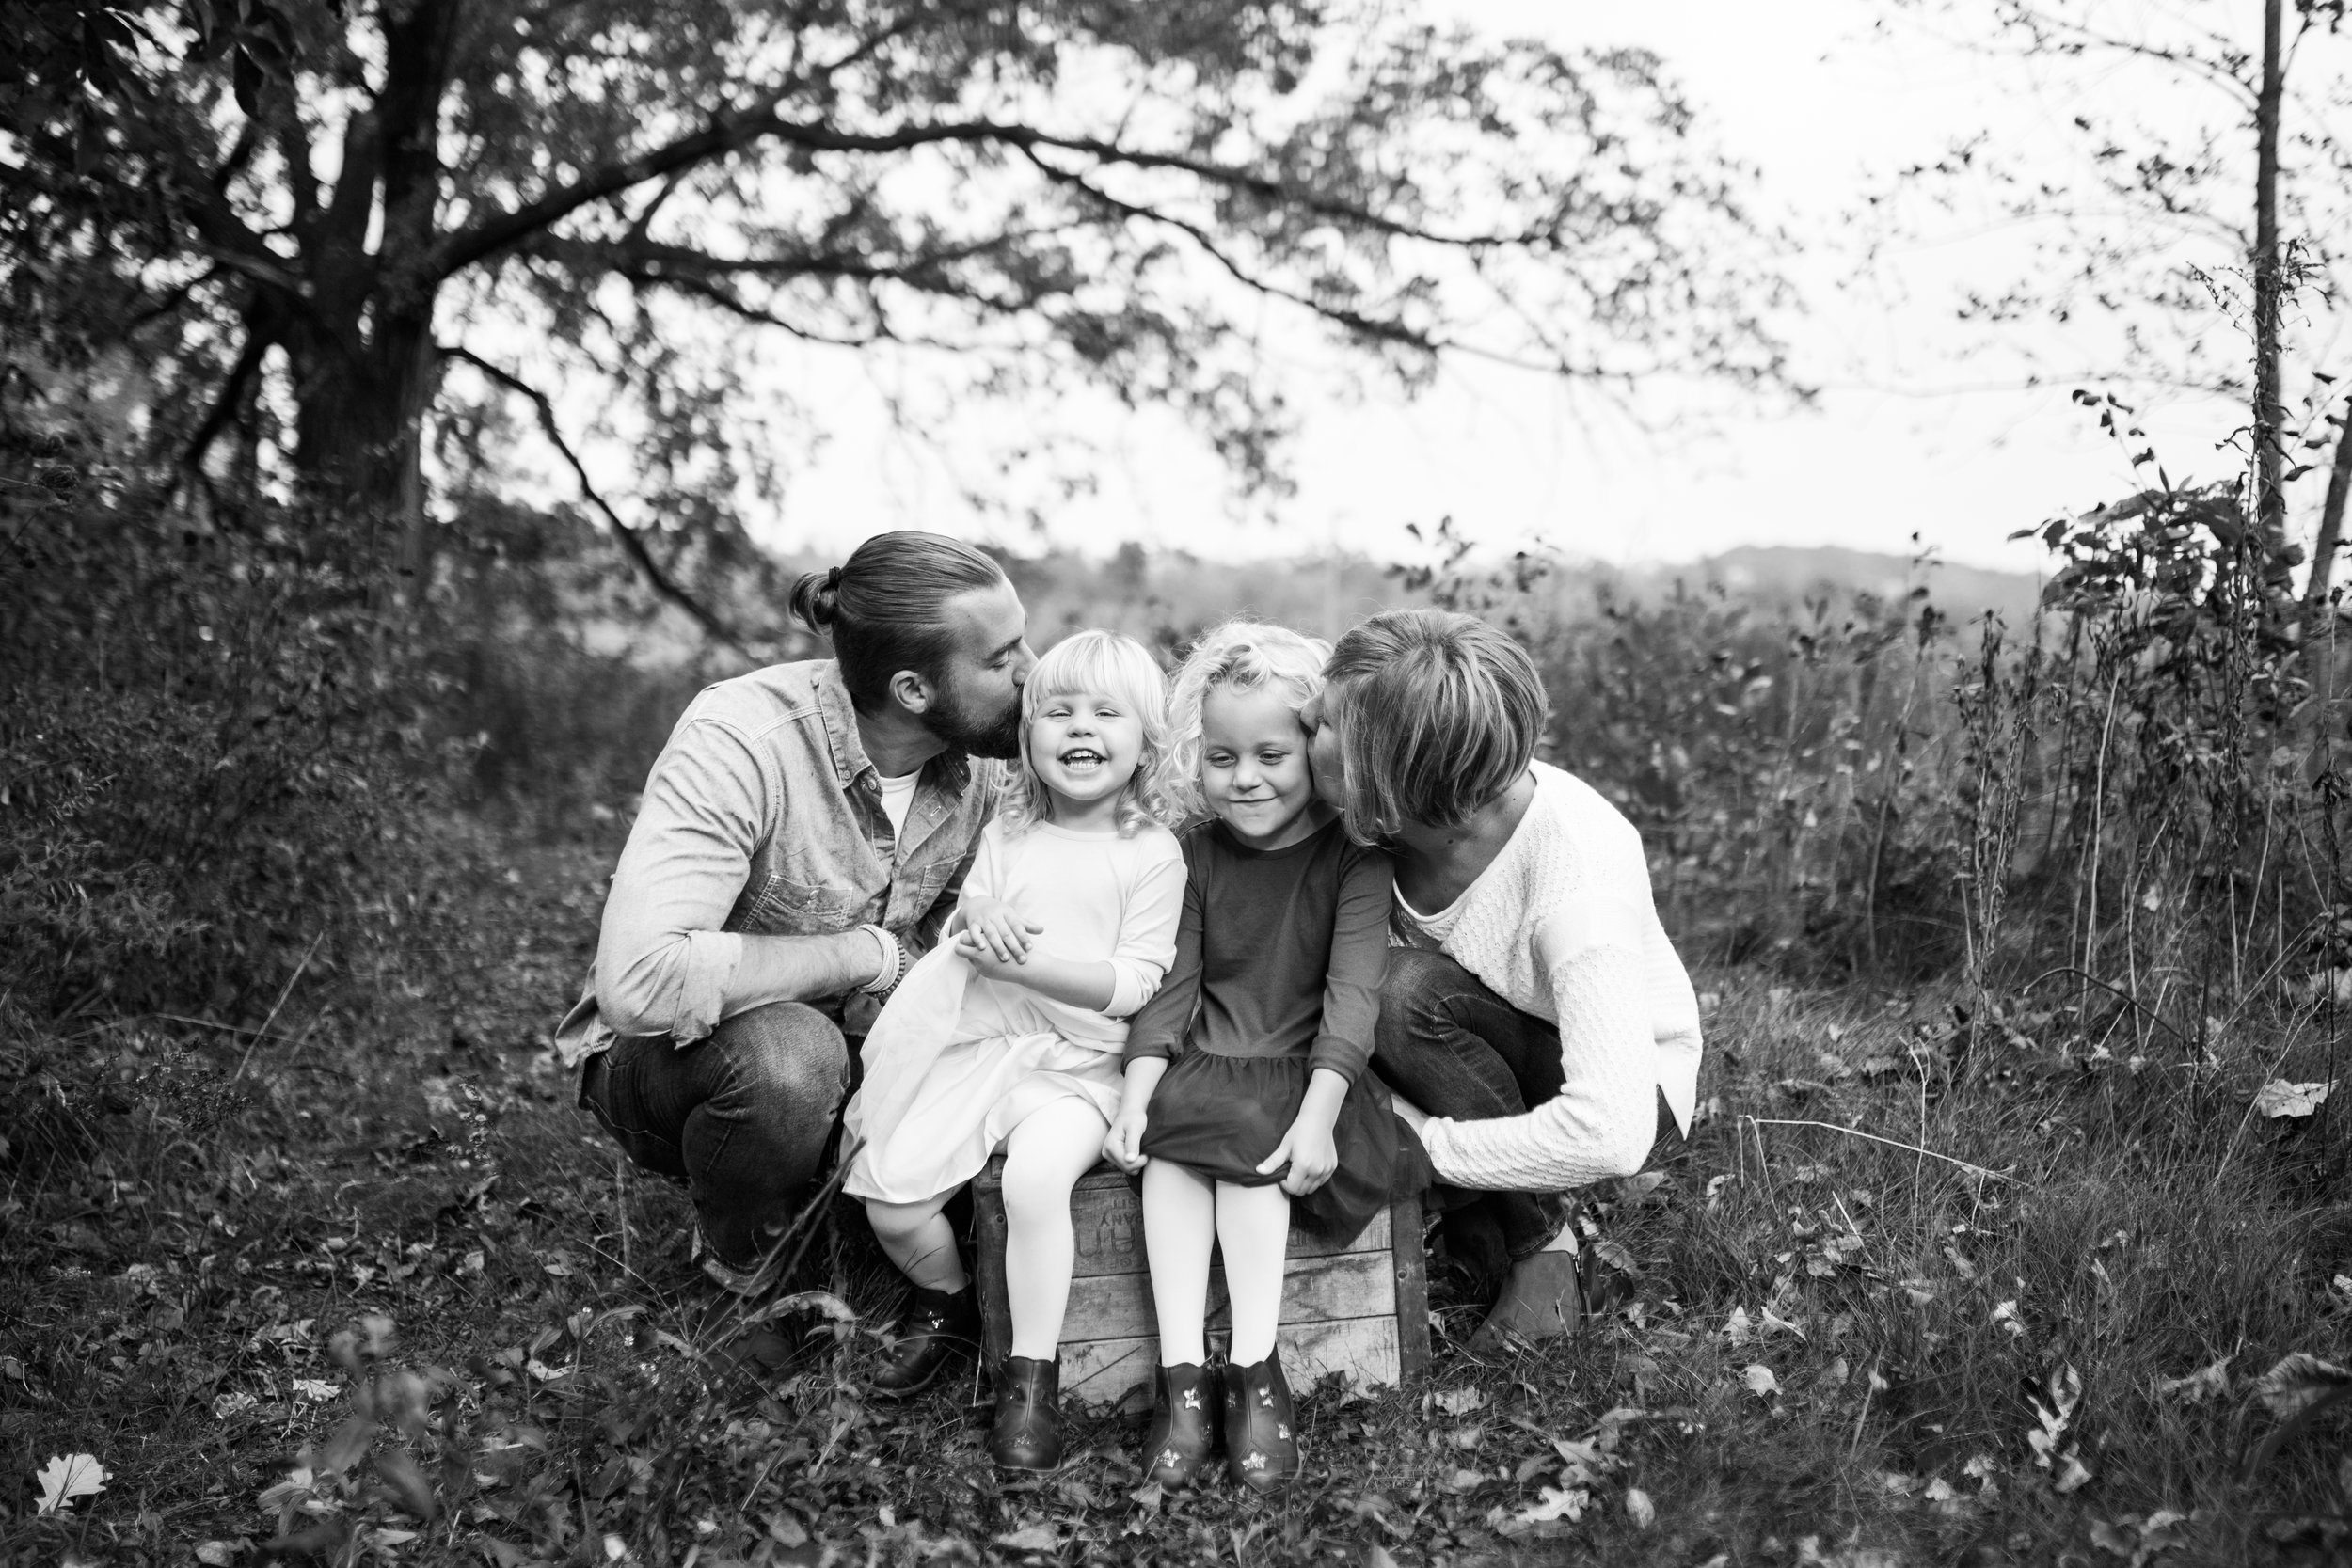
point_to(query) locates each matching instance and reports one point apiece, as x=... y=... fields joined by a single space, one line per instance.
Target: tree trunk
x=2270 y=502
x=366 y=368
x=359 y=415
x=2316 y=610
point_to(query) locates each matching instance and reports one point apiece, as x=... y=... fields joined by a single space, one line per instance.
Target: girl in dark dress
x=1247 y=1102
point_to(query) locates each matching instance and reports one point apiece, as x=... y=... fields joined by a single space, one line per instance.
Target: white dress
x=957 y=1060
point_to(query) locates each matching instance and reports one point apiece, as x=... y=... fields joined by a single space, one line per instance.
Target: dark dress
x=1278 y=959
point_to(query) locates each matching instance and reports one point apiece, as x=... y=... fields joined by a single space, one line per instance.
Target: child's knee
x=896 y=1221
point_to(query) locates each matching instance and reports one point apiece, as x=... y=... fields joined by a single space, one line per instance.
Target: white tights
x=1044 y=1156
x=1183 y=1214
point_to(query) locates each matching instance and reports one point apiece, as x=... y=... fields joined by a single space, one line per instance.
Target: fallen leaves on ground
x=2205 y=1383
x=67 y=1477
x=2279 y=1098
x=2297 y=1382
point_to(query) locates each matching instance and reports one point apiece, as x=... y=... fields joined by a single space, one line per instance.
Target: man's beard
x=966 y=727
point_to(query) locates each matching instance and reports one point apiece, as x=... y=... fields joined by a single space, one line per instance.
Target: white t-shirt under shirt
x=1429 y=930
x=897 y=797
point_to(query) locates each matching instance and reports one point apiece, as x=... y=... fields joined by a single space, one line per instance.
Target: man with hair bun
x=802 y=838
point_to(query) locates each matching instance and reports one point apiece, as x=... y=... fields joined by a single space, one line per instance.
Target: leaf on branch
x=2279 y=1098
x=67 y=1477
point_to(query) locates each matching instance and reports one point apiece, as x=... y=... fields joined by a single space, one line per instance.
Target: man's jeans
x=1449 y=1044
x=742 y=1116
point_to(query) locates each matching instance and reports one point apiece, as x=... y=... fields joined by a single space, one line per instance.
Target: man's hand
x=997 y=926
x=1309 y=1152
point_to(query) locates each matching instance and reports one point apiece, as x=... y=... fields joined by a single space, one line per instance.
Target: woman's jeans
x=742 y=1117
x=1449 y=1044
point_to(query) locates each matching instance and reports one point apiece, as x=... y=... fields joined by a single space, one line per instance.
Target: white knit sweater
x=1562 y=926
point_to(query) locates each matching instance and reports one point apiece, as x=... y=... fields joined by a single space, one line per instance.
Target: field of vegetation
x=2015 y=1228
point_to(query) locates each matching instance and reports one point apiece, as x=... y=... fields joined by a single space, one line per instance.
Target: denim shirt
x=763 y=817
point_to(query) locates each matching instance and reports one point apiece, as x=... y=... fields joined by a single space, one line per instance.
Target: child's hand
x=997 y=926
x=1309 y=1152
x=1124 y=1145
x=984 y=958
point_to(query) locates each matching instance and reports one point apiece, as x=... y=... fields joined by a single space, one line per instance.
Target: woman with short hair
x=1534 y=1009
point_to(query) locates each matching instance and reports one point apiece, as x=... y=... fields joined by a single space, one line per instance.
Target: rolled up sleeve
x=664 y=965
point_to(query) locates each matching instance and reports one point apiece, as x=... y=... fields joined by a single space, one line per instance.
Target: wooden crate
x=1361 y=1309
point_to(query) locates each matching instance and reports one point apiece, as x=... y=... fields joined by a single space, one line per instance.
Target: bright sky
x=1911 y=433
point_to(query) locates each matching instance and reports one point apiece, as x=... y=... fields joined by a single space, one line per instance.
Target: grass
x=386 y=1297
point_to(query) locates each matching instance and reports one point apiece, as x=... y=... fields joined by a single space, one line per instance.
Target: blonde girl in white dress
x=1009 y=1036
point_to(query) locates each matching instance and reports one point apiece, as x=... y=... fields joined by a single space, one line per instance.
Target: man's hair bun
x=816 y=597
x=885 y=608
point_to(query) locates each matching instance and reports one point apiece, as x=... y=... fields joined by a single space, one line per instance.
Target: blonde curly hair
x=1125 y=669
x=1239 y=656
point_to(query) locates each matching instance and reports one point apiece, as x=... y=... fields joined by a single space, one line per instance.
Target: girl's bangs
x=1101 y=665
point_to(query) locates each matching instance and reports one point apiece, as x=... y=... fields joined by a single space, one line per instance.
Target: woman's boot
x=1260 y=1447
x=1182 y=1437
x=1028 y=1430
x=936 y=1326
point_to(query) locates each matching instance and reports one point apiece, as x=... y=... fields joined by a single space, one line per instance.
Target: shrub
x=209 y=738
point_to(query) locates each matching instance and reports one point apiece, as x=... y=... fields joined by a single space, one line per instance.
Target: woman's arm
x=1604 y=1119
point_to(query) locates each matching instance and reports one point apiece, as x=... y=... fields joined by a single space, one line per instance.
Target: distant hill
x=1169 y=596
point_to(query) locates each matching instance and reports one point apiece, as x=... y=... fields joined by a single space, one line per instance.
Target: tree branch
x=732 y=132
x=1375 y=327
x=635 y=546
x=225 y=406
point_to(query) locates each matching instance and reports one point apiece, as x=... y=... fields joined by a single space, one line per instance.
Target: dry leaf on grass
x=1639 y=1509
x=2279 y=1098
x=1036 y=1538
x=67 y=1477
x=1760 y=1381
x=2206 y=1383
x=2297 y=1382
x=1556 y=1502
x=1459 y=1402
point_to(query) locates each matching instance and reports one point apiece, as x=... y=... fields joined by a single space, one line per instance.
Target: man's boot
x=937 y=1326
